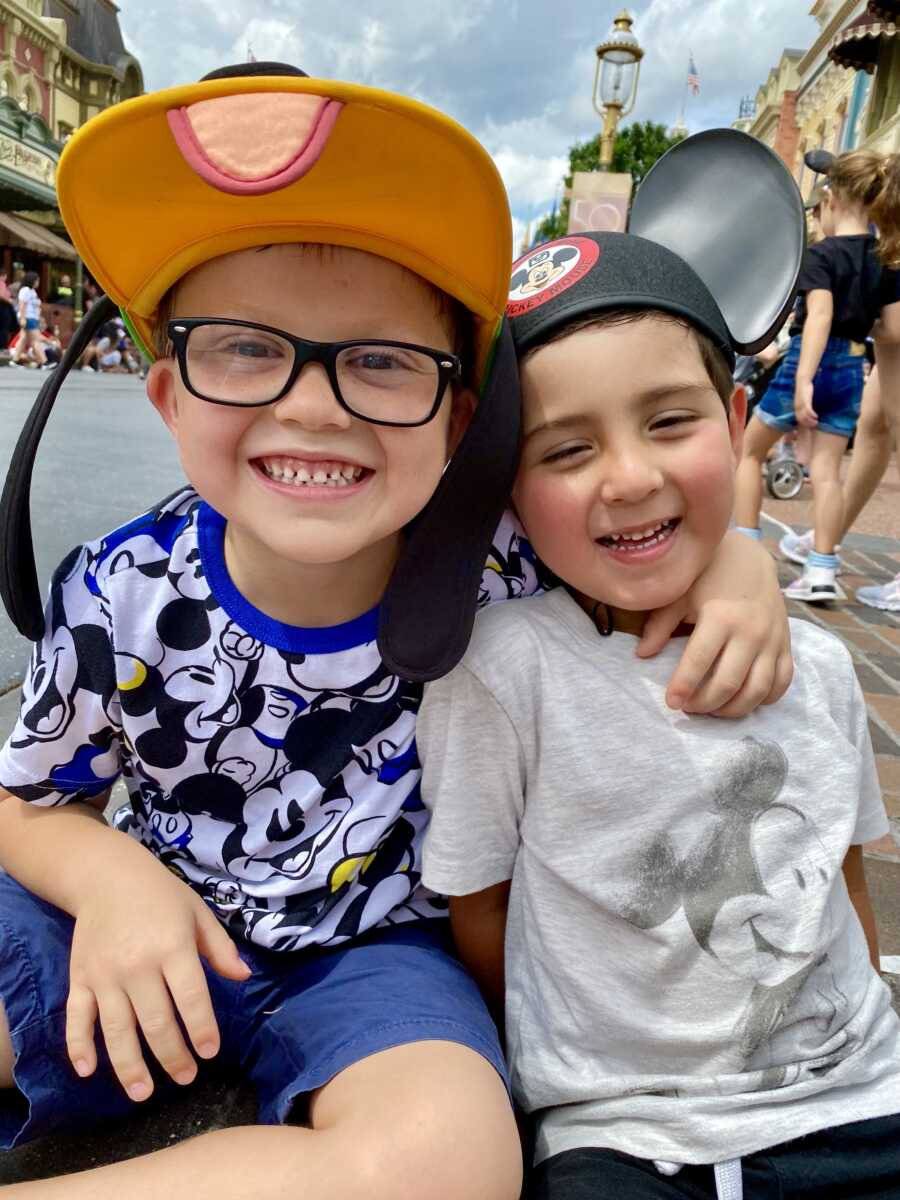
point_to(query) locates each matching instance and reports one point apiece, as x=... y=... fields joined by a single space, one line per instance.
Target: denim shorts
x=32 y=323
x=300 y=1019
x=837 y=390
x=858 y=1159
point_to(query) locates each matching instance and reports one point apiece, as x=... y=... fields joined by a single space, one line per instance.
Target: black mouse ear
x=517 y=280
x=560 y=256
x=819 y=161
x=428 y=610
x=728 y=206
x=18 y=574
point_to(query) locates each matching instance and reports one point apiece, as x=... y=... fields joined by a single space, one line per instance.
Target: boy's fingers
x=753 y=692
x=784 y=674
x=156 y=1017
x=214 y=943
x=81 y=1017
x=725 y=679
x=190 y=994
x=122 y=1045
x=701 y=651
x=659 y=627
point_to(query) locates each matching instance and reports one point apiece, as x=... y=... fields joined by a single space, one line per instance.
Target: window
x=886 y=88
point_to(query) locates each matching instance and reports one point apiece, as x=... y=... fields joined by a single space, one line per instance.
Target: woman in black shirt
x=843 y=287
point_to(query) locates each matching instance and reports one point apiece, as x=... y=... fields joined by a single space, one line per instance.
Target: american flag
x=693 y=79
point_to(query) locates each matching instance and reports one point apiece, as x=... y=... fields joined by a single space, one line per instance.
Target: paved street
x=92 y=474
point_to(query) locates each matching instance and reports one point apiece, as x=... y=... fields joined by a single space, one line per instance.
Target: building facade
x=61 y=63
x=65 y=60
x=774 y=119
x=820 y=97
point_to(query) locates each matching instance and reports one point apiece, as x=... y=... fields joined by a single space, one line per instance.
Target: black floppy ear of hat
x=728 y=206
x=18 y=574
x=428 y=610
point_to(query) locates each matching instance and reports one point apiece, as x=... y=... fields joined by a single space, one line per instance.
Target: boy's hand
x=135 y=963
x=739 y=654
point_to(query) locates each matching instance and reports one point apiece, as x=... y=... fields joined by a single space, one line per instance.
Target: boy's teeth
x=330 y=475
x=646 y=537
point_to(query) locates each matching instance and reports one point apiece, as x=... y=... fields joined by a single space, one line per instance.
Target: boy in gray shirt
x=690 y=952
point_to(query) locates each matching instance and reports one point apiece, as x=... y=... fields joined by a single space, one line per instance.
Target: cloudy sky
x=517 y=73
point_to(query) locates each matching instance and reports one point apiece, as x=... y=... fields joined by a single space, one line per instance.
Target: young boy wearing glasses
x=220 y=654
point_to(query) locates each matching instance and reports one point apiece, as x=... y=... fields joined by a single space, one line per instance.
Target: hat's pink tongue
x=254 y=143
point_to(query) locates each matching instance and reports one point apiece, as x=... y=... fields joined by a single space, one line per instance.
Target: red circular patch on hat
x=547 y=271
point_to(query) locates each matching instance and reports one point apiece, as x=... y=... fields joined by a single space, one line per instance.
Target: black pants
x=858 y=1160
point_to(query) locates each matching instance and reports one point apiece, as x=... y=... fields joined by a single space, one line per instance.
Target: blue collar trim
x=293 y=638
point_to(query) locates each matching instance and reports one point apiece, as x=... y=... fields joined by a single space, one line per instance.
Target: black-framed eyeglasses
x=245 y=365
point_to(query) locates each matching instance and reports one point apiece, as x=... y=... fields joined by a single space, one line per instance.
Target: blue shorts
x=32 y=323
x=837 y=390
x=300 y=1020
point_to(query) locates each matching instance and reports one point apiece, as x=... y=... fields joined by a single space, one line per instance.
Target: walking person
x=843 y=287
x=873 y=445
x=9 y=319
x=30 y=322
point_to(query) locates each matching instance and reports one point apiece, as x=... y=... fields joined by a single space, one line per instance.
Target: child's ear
x=461 y=411
x=161 y=390
x=737 y=420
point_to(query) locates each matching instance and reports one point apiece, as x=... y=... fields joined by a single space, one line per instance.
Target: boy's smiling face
x=239 y=459
x=626 y=481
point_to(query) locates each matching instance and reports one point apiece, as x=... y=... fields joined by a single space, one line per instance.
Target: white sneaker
x=887 y=596
x=816 y=585
x=796 y=547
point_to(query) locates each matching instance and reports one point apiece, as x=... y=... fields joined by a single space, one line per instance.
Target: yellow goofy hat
x=261 y=154
x=153 y=187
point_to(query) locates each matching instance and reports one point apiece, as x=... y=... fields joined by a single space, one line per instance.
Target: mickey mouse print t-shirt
x=274 y=768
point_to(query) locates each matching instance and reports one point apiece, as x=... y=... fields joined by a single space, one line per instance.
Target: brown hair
x=872 y=180
x=459 y=321
x=714 y=361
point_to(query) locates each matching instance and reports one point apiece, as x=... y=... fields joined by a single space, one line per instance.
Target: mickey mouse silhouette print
x=754 y=889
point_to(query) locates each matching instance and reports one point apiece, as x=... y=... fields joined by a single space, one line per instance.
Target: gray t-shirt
x=686 y=977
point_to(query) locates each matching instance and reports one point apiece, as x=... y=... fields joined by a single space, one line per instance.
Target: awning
x=18 y=231
x=856 y=46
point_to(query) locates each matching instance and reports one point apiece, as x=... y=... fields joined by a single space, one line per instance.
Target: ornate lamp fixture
x=616 y=81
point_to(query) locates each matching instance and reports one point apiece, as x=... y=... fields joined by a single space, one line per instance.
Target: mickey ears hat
x=261 y=154
x=819 y=161
x=717 y=234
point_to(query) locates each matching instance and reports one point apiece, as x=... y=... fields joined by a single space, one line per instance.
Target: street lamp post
x=616 y=81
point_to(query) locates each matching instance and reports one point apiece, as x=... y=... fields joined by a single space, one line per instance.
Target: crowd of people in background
x=29 y=340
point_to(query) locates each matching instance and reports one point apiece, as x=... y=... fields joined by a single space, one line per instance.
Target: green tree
x=636 y=149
